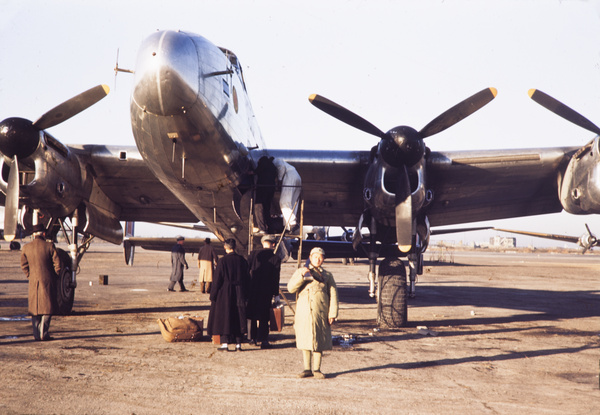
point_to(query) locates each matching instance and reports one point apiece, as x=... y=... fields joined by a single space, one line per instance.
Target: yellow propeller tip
x=494 y=92
x=312 y=97
x=404 y=248
x=531 y=92
x=106 y=89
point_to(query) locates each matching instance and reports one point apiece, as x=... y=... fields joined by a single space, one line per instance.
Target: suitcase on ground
x=181 y=329
x=277 y=317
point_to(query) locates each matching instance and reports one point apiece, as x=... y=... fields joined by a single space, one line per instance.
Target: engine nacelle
x=580 y=186
x=50 y=178
x=378 y=192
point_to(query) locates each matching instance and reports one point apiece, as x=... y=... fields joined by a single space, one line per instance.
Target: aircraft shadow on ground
x=168 y=311
x=470 y=359
x=539 y=305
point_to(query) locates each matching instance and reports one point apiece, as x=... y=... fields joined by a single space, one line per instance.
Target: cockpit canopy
x=235 y=63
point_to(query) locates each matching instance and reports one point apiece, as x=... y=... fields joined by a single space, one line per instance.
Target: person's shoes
x=318 y=374
x=48 y=338
x=265 y=345
x=252 y=342
x=222 y=348
x=184 y=290
x=238 y=347
x=170 y=289
x=306 y=374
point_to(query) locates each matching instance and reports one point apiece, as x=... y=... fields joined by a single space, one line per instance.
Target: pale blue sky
x=393 y=62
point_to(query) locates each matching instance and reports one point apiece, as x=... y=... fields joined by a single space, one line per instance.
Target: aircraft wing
x=123 y=177
x=484 y=185
x=332 y=184
x=467 y=186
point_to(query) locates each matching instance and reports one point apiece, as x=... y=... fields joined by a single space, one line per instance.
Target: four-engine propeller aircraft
x=586 y=241
x=198 y=142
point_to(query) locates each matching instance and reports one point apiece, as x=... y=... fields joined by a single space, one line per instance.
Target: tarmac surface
x=489 y=333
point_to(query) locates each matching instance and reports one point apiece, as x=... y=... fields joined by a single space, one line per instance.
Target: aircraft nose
x=166 y=75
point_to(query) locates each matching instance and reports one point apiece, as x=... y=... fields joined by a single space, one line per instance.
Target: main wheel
x=65 y=292
x=392 y=307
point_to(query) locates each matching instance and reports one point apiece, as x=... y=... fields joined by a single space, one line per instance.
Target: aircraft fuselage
x=192 y=122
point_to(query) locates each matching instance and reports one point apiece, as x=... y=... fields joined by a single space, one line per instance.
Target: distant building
x=503 y=241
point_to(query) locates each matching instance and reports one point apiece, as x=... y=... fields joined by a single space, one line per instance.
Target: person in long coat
x=207 y=261
x=228 y=295
x=316 y=310
x=265 y=268
x=177 y=264
x=41 y=264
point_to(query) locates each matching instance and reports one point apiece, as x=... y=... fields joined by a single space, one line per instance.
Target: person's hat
x=270 y=238
x=180 y=238
x=39 y=228
x=207 y=240
x=317 y=250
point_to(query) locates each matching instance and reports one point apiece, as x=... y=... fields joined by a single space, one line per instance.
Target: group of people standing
x=241 y=294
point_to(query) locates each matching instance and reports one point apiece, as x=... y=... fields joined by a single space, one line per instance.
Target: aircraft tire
x=392 y=308
x=65 y=293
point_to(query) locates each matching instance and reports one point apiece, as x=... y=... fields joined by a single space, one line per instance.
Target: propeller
x=19 y=139
x=402 y=147
x=11 y=206
x=71 y=107
x=560 y=109
x=591 y=240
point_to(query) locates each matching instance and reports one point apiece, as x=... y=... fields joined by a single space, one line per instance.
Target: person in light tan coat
x=41 y=264
x=316 y=310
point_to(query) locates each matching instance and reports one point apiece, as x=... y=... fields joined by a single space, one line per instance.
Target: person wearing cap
x=316 y=310
x=41 y=264
x=207 y=261
x=228 y=295
x=177 y=264
x=265 y=268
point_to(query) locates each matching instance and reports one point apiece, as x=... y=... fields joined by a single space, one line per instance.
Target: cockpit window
x=235 y=63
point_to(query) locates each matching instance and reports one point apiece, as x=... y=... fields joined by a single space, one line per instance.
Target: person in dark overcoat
x=228 y=295
x=41 y=264
x=177 y=264
x=264 y=285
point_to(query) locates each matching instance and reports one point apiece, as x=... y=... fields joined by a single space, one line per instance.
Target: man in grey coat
x=177 y=264
x=41 y=264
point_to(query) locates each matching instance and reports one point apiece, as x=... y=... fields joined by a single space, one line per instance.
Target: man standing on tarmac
x=207 y=261
x=41 y=264
x=177 y=264
x=264 y=285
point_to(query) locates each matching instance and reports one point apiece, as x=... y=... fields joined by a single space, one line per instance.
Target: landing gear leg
x=415 y=266
x=372 y=257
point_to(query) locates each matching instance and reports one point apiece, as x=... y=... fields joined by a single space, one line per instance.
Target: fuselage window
x=225 y=87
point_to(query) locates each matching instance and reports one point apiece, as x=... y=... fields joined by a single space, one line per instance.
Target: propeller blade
x=11 y=208
x=404 y=222
x=344 y=115
x=71 y=107
x=562 y=110
x=459 y=112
